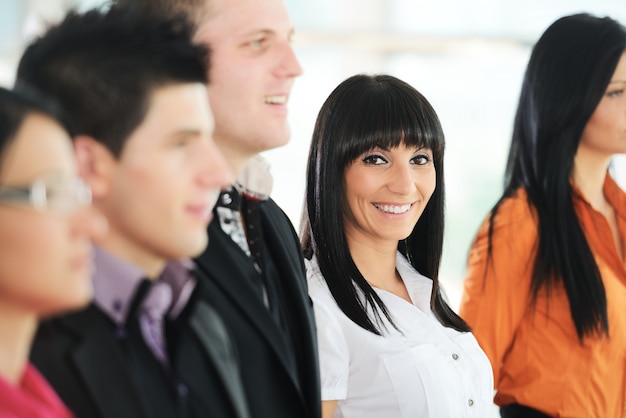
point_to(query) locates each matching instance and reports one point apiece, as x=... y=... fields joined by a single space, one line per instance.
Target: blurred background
x=466 y=57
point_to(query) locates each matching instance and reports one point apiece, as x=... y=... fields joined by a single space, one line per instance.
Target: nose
x=289 y=65
x=402 y=179
x=214 y=171
x=89 y=223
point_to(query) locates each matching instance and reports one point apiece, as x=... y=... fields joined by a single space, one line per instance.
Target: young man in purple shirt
x=134 y=86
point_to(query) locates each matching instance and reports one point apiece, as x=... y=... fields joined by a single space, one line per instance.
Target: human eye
x=258 y=43
x=421 y=159
x=181 y=141
x=615 y=93
x=374 y=159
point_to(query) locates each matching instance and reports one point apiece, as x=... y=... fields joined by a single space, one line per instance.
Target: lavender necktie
x=151 y=319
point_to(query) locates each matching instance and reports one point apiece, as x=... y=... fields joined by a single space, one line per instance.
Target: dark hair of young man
x=193 y=9
x=104 y=65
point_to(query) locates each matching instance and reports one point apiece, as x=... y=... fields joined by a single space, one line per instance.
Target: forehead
x=230 y=18
x=40 y=146
x=173 y=109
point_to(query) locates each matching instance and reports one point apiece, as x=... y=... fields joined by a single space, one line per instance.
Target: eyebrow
x=617 y=81
x=268 y=32
x=186 y=132
x=259 y=32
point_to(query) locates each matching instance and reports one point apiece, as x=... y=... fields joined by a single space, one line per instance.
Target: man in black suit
x=134 y=86
x=255 y=274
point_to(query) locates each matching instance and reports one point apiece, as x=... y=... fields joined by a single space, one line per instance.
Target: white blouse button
x=470 y=402
x=455 y=356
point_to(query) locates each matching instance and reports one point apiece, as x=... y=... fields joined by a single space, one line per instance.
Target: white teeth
x=276 y=99
x=393 y=208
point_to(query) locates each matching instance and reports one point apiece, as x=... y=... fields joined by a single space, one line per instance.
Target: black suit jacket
x=81 y=358
x=273 y=388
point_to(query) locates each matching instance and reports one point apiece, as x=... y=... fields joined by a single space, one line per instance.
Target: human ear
x=95 y=164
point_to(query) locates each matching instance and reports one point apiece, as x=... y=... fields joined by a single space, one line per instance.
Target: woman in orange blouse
x=545 y=291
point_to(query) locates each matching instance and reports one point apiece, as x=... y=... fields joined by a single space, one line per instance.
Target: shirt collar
x=417 y=285
x=613 y=193
x=255 y=181
x=116 y=281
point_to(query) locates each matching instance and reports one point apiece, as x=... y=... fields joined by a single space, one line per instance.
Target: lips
x=393 y=209
x=200 y=212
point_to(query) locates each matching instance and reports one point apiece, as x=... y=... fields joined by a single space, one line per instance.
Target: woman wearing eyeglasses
x=46 y=225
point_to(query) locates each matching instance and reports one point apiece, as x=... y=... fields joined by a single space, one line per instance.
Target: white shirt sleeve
x=333 y=353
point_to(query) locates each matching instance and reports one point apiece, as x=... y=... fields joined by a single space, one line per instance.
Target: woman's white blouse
x=428 y=370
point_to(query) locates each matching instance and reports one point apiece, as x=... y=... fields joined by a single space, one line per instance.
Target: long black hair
x=362 y=113
x=569 y=70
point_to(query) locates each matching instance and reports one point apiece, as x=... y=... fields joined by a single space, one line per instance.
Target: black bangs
x=386 y=113
x=362 y=113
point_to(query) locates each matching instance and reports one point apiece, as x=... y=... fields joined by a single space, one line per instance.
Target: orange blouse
x=536 y=356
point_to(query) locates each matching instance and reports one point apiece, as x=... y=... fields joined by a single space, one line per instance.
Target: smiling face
x=386 y=192
x=605 y=133
x=45 y=262
x=253 y=67
x=160 y=193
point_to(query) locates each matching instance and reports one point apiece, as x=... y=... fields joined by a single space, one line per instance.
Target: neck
x=237 y=159
x=17 y=328
x=151 y=264
x=376 y=263
x=589 y=173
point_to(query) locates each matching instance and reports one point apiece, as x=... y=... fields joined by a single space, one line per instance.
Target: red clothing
x=536 y=355
x=34 y=398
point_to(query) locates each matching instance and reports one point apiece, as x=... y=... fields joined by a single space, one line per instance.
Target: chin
x=197 y=247
x=71 y=303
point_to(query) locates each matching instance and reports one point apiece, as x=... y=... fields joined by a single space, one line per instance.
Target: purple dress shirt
x=115 y=283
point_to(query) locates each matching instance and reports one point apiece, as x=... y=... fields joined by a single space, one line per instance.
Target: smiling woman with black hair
x=389 y=344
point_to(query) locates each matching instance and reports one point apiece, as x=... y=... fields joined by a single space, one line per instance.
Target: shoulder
x=515 y=218
x=276 y=223
x=318 y=289
x=271 y=209
x=505 y=247
x=324 y=305
x=71 y=325
x=515 y=210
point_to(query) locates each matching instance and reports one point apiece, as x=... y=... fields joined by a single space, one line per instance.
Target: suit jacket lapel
x=210 y=329
x=100 y=364
x=225 y=265
x=297 y=295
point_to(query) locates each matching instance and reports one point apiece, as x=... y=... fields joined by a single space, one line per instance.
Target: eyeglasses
x=55 y=192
